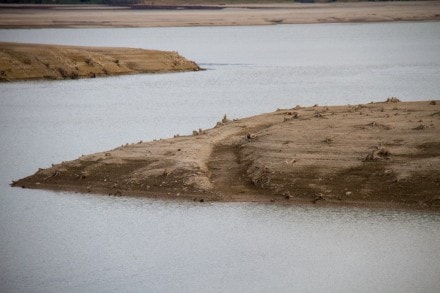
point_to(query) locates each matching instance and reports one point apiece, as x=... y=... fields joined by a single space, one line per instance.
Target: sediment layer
x=379 y=153
x=35 y=61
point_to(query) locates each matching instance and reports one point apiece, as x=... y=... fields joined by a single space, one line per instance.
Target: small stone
x=392 y=100
x=317 y=198
x=420 y=127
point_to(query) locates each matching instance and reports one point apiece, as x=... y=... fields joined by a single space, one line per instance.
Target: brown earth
x=377 y=154
x=206 y=14
x=32 y=61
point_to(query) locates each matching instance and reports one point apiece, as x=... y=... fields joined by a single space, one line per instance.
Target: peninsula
x=385 y=154
x=37 y=61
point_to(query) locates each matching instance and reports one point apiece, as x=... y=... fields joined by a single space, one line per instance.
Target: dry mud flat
x=33 y=61
x=15 y=16
x=385 y=154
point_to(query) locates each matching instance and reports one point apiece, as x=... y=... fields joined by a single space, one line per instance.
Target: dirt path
x=228 y=175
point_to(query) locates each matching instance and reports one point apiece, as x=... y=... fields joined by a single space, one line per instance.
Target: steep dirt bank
x=241 y=14
x=33 y=61
x=379 y=153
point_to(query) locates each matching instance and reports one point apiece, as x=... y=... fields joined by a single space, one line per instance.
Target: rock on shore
x=34 y=61
x=386 y=153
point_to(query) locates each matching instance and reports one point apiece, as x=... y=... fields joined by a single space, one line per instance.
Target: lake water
x=52 y=242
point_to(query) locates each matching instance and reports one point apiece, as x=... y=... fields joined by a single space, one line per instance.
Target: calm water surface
x=52 y=242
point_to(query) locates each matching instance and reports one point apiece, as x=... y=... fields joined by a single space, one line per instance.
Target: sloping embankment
x=34 y=61
x=379 y=153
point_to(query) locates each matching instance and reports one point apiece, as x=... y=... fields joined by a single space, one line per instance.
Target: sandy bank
x=246 y=14
x=379 y=153
x=32 y=61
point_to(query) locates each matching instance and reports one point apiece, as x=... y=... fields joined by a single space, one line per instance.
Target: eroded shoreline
x=385 y=154
x=37 y=61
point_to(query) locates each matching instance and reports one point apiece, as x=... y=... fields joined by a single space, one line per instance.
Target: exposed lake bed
x=61 y=241
x=384 y=153
x=217 y=13
x=20 y=61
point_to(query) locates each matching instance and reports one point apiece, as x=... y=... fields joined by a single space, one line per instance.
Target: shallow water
x=66 y=242
x=70 y=242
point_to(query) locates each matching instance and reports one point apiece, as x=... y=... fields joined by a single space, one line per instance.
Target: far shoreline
x=95 y=16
